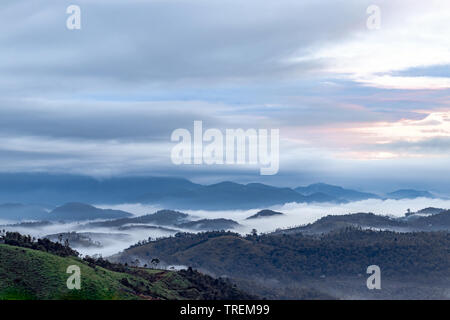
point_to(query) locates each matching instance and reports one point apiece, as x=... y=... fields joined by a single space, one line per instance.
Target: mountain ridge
x=173 y=192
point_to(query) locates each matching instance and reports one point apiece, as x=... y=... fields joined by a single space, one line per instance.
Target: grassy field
x=31 y=274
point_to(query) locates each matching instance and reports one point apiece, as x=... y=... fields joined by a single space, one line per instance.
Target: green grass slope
x=31 y=274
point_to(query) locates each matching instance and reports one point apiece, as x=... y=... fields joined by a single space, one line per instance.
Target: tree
x=155 y=262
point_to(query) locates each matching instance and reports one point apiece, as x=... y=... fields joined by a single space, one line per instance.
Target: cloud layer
x=349 y=102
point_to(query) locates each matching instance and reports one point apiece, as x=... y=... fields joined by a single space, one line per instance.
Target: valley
x=291 y=250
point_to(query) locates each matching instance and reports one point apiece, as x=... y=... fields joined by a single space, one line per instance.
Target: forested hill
x=346 y=252
x=39 y=271
x=323 y=263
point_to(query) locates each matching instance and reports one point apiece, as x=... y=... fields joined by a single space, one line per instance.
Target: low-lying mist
x=295 y=214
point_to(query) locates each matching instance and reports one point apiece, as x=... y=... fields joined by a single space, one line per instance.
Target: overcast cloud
x=104 y=100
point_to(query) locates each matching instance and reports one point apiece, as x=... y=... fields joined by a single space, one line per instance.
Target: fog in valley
x=107 y=241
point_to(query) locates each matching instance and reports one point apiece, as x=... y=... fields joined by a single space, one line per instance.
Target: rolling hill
x=27 y=274
x=414 y=265
x=359 y=220
x=432 y=222
x=167 y=218
x=178 y=193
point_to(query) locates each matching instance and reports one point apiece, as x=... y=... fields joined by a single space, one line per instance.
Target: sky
x=355 y=106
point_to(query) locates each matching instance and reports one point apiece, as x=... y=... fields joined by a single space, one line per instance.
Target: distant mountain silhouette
x=176 y=193
x=230 y=195
x=339 y=258
x=409 y=194
x=75 y=211
x=56 y=189
x=265 y=213
x=336 y=192
x=19 y=212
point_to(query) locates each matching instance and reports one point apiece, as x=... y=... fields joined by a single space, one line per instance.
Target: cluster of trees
x=184 y=235
x=77 y=239
x=187 y=284
x=63 y=250
x=202 y=286
x=26 y=241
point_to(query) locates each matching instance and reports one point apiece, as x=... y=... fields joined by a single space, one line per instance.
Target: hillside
x=228 y=195
x=32 y=274
x=337 y=222
x=417 y=260
x=413 y=222
x=161 y=217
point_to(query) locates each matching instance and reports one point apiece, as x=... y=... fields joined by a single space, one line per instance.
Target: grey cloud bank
x=104 y=100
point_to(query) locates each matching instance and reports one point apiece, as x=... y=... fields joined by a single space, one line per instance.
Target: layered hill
x=167 y=218
x=53 y=190
x=414 y=265
x=72 y=211
x=230 y=195
x=359 y=220
x=413 y=222
x=32 y=274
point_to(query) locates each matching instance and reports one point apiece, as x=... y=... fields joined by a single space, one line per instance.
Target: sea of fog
x=295 y=214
